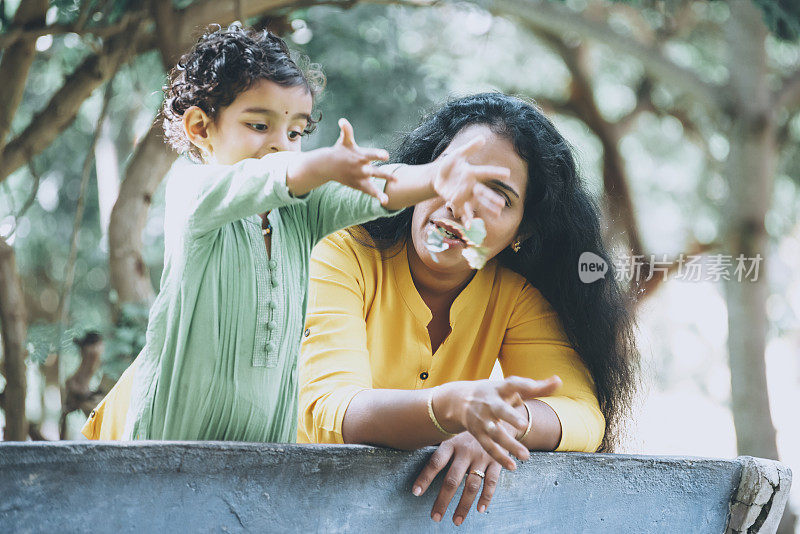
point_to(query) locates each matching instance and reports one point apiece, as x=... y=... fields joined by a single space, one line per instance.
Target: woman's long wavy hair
x=560 y=221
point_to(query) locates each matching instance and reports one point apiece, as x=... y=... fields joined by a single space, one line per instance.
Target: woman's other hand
x=492 y=411
x=468 y=459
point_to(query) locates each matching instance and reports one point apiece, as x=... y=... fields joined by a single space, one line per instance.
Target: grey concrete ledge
x=242 y=487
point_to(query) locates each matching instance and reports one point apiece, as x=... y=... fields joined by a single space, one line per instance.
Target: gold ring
x=478 y=472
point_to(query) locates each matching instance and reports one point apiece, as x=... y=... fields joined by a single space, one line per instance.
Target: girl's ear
x=196 y=124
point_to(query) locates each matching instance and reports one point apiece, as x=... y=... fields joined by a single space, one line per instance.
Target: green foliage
x=782 y=17
x=370 y=80
x=126 y=339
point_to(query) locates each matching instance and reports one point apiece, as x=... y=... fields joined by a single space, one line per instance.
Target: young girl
x=220 y=360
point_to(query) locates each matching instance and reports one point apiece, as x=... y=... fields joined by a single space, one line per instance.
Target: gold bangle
x=433 y=417
x=530 y=422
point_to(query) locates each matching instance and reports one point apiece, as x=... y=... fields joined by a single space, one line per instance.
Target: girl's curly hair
x=221 y=65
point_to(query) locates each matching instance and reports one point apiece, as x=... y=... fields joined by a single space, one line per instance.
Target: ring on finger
x=478 y=472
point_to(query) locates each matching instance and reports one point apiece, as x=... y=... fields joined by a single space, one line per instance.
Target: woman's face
x=501 y=230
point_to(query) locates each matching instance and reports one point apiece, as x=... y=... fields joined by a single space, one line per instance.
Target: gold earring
x=515 y=246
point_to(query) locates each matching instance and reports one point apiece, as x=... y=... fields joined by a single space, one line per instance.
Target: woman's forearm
x=399 y=419
x=395 y=418
x=545 y=435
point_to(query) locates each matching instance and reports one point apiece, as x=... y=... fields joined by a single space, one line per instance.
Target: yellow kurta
x=366 y=327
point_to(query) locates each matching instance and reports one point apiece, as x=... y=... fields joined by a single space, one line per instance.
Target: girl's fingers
x=496 y=452
x=436 y=463
x=452 y=480
x=367 y=186
x=472 y=485
x=378 y=172
x=468 y=213
x=470 y=148
x=458 y=202
x=346 y=136
x=489 y=199
x=373 y=154
x=489 y=485
x=489 y=172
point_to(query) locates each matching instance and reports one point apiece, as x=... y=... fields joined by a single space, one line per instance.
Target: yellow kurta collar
x=475 y=295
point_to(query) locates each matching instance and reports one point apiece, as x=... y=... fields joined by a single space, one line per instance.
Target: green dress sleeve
x=215 y=195
x=335 y=206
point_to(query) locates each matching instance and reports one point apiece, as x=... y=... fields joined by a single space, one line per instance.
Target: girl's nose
x=280 y=144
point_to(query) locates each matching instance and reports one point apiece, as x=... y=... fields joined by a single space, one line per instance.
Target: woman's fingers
x=505 y=411
x=500 y=436
x=528 y=388
x=472 y=485
x=496 y=452
x=452 y=480
x=489 y=485
x=438 y=461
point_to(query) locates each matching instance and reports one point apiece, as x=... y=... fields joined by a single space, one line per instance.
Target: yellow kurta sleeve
x=334 y=360
x=536 y=346
x=107 y=420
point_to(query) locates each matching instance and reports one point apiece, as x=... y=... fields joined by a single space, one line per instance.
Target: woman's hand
x=467 y=456
x=344 y=162
x=460 y=184
x=485 y=408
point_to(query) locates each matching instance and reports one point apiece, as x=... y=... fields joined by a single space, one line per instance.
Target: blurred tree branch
x=788 y=95
x=559 y=19
x=134 y=36
x=63 y=107
x=16 y=62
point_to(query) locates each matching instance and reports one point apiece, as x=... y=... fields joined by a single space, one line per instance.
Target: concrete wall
x=236 y=487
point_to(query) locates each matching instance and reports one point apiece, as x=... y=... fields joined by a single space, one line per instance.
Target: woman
x=400 y=341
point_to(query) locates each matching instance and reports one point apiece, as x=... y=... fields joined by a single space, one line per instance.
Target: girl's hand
x=459 y=183
x=483 y=407
x=344 y=162
x=467 y=456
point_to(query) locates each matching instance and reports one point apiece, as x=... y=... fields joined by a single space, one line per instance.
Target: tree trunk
x=14 y=331
x=750 y=169
x=129 y=275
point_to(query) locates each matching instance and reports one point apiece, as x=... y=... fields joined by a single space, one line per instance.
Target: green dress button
x=273 y=264
x=271 y=347
x=272 y=305
x=272 y=325
x=274 y=281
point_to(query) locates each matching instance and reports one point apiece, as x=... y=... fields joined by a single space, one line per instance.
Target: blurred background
x=683 y=116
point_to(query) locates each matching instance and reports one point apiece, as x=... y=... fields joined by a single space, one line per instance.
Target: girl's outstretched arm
x=450 y=176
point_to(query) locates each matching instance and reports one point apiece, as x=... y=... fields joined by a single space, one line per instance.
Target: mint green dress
x=220 y=359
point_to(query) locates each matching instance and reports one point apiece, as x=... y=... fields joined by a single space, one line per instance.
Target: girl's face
x=501 y=230
x=265 y=118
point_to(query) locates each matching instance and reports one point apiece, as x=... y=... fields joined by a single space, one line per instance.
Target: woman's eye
x=257 y=126
x=295 y=135
x=505 y=197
